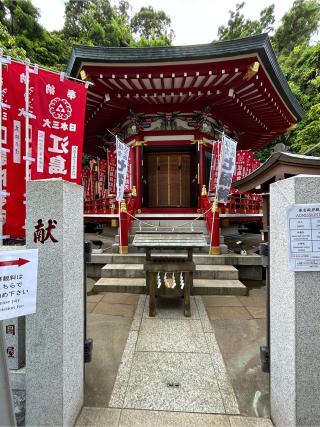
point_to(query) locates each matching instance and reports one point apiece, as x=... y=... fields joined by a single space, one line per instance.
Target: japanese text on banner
x=13 y=138
x=122 y=167
x=58 y=135
x=227 y=166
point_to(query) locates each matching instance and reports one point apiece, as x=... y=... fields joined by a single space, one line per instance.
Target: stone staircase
x=214 y=275
x=182 y=225
x=124 y=273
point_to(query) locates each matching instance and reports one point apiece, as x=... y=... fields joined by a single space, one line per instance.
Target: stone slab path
x=171 y=374
x=173 y=363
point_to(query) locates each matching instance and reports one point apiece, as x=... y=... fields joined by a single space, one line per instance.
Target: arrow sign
x=19 y=262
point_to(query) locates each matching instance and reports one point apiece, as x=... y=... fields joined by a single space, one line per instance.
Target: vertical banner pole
x=7 y=417
x=215 y=207
x=27 y=121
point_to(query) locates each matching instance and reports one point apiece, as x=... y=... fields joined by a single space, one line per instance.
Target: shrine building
x=170 y=104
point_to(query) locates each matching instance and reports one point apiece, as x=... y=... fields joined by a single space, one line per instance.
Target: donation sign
x=304 y=237
x=18 y=283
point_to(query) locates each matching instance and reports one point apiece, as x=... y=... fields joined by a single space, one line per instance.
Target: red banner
x=58 y=135
x=245 y=164
x=112 y=170
x=13 y=129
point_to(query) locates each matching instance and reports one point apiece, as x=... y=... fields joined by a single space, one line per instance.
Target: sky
x=194 y=21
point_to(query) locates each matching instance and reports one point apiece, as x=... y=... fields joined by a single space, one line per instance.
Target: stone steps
x=139 y=258
x=222 y=272
x=200 y=286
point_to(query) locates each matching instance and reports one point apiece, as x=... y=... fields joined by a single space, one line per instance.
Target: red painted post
x=215 y=237
x=201 y=166
x=123 y=232
x=138 y=172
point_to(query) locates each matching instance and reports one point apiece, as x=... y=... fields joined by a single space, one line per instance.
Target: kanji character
x=72 y=127
x=50 y=227
x=55 y=125
x=71 y=94
x=56 y=165
x=225 y=179
x=22 y=78
x=50 y=89
x=10 y=352
x=223 y=194
x=228 y=163
x=38 y=235
x=46 y=123
x=59 y=140
x=10 y=330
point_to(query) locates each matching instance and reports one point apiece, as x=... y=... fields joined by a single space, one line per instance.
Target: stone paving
x=143 y=372
x=167 y=364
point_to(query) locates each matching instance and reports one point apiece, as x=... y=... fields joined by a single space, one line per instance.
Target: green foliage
x=297 y=26
x=9 y=45
x=150 y=24
x=88 y=22
x=298 y=58
x=238 y=26
x=307 y=134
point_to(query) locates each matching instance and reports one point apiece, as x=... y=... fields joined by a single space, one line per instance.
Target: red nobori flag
x=58 y=135
x=13 y=131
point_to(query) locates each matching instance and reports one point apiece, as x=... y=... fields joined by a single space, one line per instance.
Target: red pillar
x=138 y=172
x=123 y=229
x=215 y=237
x=201 y=168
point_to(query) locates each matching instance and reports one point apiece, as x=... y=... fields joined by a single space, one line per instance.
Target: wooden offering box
x=169 y=275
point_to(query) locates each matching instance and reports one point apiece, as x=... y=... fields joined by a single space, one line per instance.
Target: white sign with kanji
x=304 y=237
x=18 y=283
x=122 y=167
x=226 y=170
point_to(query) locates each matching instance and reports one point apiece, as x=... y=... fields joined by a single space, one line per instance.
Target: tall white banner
x=226 y=170
x=122 y=167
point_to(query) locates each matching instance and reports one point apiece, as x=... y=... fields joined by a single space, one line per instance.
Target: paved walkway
x=171 y=373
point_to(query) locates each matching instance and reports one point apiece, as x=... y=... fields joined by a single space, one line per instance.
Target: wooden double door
x=168 y=179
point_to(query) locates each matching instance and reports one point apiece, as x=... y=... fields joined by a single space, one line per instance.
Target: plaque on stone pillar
x=14 y=335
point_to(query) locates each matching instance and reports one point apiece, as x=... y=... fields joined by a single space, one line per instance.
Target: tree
x=238 y=26
x=299 y=60
x=74 y=10
x=96 y=22
x=9 y=45
x=149 y=24
x=297 y=26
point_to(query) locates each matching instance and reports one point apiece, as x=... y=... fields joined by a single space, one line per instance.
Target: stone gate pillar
x=294 y=315
x=55 y=333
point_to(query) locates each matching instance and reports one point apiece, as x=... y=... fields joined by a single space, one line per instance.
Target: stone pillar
x=294 y=315
x=55 y=333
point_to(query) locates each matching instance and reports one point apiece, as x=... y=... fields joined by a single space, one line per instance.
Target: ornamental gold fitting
x=134 y=191
x=203 y=191
x=123 y=207
x=214 y=207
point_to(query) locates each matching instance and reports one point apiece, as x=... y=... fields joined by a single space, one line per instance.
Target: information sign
x=304 y=237
x=18 y=283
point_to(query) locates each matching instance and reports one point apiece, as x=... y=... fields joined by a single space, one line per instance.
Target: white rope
x=168 y=226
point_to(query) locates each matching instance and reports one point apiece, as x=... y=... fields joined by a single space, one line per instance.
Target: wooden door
x=168 y=179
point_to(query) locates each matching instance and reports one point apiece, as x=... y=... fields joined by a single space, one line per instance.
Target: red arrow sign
x=19 y=262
